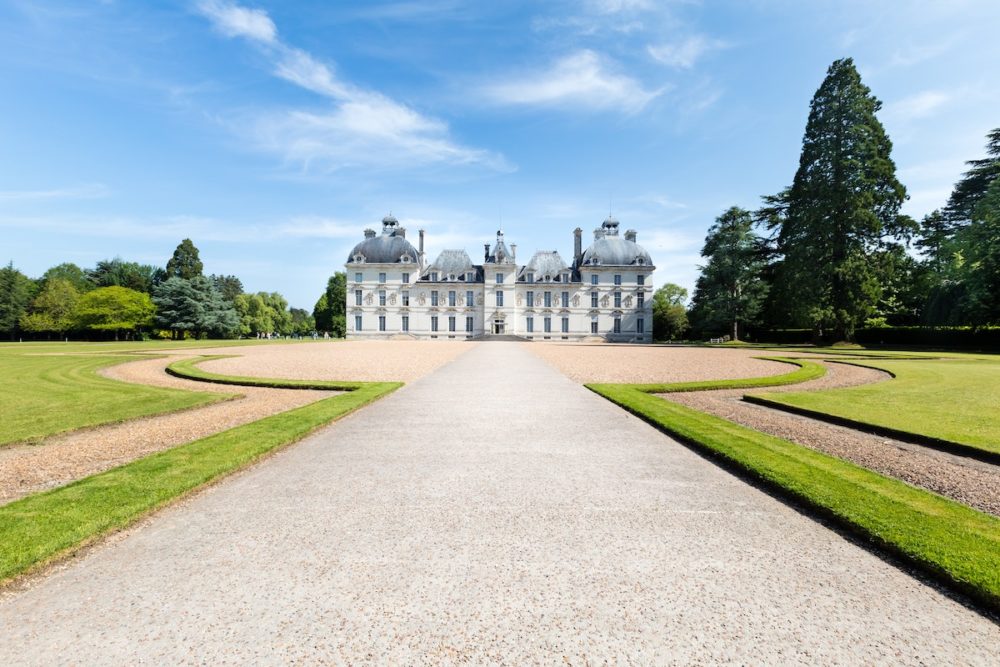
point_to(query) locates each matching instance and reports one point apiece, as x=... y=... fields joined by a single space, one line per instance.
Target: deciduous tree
x=669 y=314
x=117 y=309
x=53 y=309
x=730 y=291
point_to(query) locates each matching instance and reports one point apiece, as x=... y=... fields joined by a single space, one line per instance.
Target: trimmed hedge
x=987 y=338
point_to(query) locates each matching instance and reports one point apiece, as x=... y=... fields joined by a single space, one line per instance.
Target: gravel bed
x=26 y=469
x=968 y=481
x=655 y=363
x=361 y=361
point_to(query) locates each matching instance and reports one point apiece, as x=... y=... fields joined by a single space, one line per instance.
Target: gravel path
x=654 y=363
x=26 y=469
x=492 y=512
x=968 y=481
x=363 y=361
x=59 y=460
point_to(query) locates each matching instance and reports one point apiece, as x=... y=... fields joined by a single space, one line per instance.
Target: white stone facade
x=604 y=293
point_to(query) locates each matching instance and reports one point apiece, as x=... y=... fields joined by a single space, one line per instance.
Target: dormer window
x=434 y=276
x=548 y=278
x=640 y=261
x=359 y=258
x=529 y=277
x=451 y=276
x=469 y=277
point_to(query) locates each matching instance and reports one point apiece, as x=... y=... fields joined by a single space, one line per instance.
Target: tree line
x=832 y=252
x=119 y=299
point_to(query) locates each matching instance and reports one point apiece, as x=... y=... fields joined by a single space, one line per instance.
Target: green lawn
x=43 y=395
x=41 y=527
x=955 y=400
x=953 y=542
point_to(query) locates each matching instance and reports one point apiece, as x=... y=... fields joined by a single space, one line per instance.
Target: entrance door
x=498 y=327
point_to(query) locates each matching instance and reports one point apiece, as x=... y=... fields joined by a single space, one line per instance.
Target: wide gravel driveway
x=493 y=511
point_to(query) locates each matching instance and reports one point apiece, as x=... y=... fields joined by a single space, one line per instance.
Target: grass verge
x=42 y=527
x=45 y=395
x=951 y=404
x=188 y=369
x=956 y=544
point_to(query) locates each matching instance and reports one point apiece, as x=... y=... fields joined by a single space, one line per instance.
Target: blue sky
x=272 y=133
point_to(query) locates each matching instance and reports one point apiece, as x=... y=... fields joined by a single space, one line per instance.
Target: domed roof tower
x=609 y=249
x=389 y=247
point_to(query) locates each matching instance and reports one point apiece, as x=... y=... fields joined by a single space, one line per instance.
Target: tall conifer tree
x=842 y=206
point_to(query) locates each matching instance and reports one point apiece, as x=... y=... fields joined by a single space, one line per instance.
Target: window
x=640 y=325
x=357 y=297
x=434 y=297
x=593 y=299
x=406 y=322
x=357 y=323
x=530 y=296
x=593 y=278
x=451 y=323
x=565 y=300
x=381 y=297
x=434 y=276
x=593 y=326
x=618 y=299
x=565 y=277
x=548 y=325
x=618 y=279
x=499 y=278
x=618 y=325
x=451 y=276
x=529 y=277
x=406 y=298
x=499 y=298
x=468 y=324
x=565 y=325
x=548 y=299
x=359 y=277
x=529 y=324
x=381 y=277
x=451 y=299
x=469 y=298
x=381 y=322
x=640 y=279
x=406 y=278
x=434 y=322
x=640 y=300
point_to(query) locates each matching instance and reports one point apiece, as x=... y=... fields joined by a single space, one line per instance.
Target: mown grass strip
x=949 y=404
x=807 y=370
x=954 y=543
x=37 y=529
x=188 y=369
x=45 y=395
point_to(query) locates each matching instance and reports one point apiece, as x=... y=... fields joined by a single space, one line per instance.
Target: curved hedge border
x=43 y=527
x=807 y=370
x=188 y=369
x=955 y=544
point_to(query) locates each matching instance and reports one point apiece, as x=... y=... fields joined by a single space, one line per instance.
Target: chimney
x=486 y=251
x=577 y=246
x=513 y=252
x=630 y=235
x=421 y=247
x=369 y=233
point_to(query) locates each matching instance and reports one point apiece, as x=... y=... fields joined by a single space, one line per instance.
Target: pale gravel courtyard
x=493 y=511
x=604 y=362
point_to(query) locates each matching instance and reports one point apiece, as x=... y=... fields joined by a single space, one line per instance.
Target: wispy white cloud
x=582 y=80
x=233 y=20
x=87 y=191
x=684 y=53
x=920 y=105
x=363 y=128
